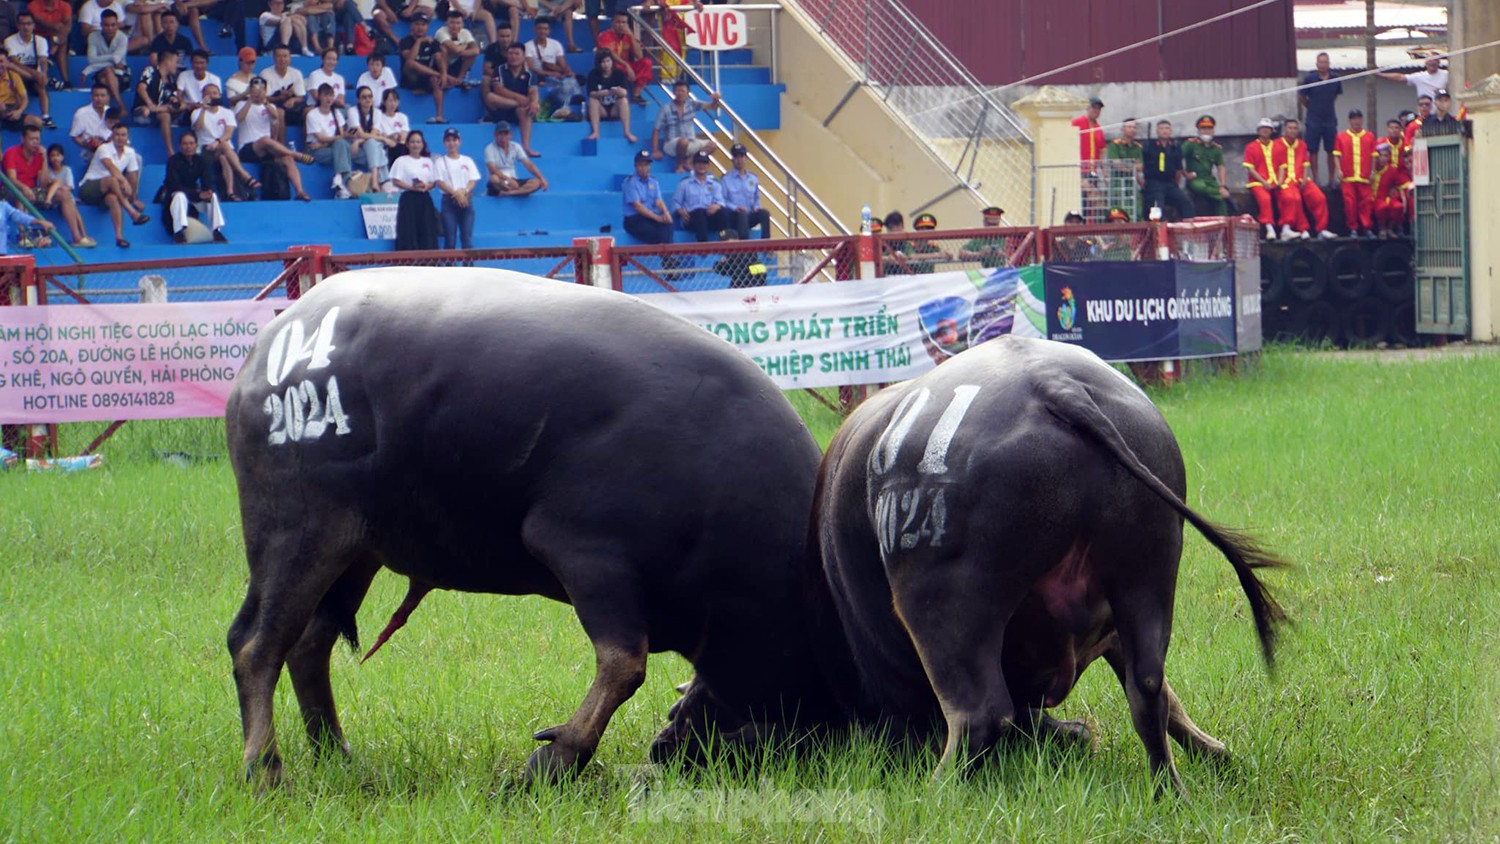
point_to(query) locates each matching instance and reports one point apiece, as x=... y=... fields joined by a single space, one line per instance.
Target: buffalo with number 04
x=487 y=431
x=991 y=528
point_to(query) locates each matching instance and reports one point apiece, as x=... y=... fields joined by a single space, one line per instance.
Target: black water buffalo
x=485 y=431
x=992 y=527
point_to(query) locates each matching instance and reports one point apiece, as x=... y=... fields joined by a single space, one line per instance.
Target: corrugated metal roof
x=1353 y=58
x=1350 y=14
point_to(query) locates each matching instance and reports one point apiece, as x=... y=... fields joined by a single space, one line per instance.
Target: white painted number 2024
x=298 y=413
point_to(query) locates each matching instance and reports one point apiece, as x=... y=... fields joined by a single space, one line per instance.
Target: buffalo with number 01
x=486 y=431
x=992 y=527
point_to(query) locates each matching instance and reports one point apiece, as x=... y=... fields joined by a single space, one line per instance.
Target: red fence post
x=315 y=266
x=595 y=263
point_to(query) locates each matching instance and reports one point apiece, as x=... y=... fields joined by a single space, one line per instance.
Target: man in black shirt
x=188 y=191
x=156 y=99
x=1441 y=121
x=170 y=38
x=421 y=66
x=1161 y=162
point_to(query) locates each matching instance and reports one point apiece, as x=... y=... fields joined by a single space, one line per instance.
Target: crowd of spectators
x=227 y=140
x=1167 y=178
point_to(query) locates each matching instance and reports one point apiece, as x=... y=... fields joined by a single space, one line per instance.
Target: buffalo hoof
x=265 y=775
x=556 y=761
x=1073 y=735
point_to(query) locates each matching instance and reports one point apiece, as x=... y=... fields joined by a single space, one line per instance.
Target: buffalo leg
x=308 y=661
x=285 y=588
x=620 y=668
x=1143 y=622
x=960 y=646
x=1188 y=735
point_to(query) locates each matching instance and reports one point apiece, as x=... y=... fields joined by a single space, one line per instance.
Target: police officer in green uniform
x=1203 y=159
x=1125 y=177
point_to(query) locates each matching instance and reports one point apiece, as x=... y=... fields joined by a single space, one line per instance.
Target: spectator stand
x=796 y=211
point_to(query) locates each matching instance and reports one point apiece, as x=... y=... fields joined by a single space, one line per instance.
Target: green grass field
x=1379 y=478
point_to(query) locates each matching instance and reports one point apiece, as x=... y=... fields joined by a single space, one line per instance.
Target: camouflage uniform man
x=1203 y=159
x=1125 y=178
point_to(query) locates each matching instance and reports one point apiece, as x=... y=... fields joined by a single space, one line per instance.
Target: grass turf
x=118 y=718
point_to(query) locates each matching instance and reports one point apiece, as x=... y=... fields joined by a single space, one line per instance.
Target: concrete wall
x=865 y=155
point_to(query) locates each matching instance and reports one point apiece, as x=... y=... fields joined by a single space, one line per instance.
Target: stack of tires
x=1344 y=293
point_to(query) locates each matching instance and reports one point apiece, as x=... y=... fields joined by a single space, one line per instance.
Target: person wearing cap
x=278 y=27
x=699 y=200
x=1317 y=93
x=676 y=129
x=188 y=191
x=1161 y=166
x=646 y=215
x=423 y=69
x=928 y=249
x=285 y=89
x=1393 y=192
x=457 y=177
x=1090 y=149
x=501 y=157
x=171 y=38
x=1203 y=163
x=1354 y=152
x=1303 y=205
x=259 y=121
x=414 y=174
x=990 y=252
x=1124 y=156
x=1264 y=162
x=237 y=84
x=742 y=197
x=1442 y=121
x=1428 y=80
x=156 y=99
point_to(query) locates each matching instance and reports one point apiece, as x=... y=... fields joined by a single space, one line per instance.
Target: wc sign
x=717 y=28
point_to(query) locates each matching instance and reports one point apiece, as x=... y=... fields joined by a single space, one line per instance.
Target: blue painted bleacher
x=584 y=176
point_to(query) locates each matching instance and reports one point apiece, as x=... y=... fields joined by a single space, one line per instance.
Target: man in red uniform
x=1300 y=199
x=1393 y=196
x=1395 y=135
x=1263 y=158
x=1354 y=152
x=1424 y=111
x=1090 y=150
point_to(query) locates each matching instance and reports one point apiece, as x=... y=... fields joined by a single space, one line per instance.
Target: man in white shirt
x=113 y=179
x=474 y=10
x=29 y=57
x=458 y=46
x=1427 y=81
x=214 y=125
x=90 y=129
x=285 y=88
x=457 y=176
x=377 y=77
x=501 y=157
x=192 y=82
x=546 y=59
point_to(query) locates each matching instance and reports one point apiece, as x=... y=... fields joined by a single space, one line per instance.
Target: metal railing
x=795 y=210
x=980 y=140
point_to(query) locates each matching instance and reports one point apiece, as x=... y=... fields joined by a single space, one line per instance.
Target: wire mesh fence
x=980 y=139
x=562 y=263
x=732 y=264
x=1101 y=242
x=917 y=253
x=1092 y=190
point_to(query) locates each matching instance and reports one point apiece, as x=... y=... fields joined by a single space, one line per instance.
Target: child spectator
x=57 y=192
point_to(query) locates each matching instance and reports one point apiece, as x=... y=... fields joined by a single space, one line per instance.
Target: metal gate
x=1442 y=255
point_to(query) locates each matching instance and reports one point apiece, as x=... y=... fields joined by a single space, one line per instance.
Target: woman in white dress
x=416 y=218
